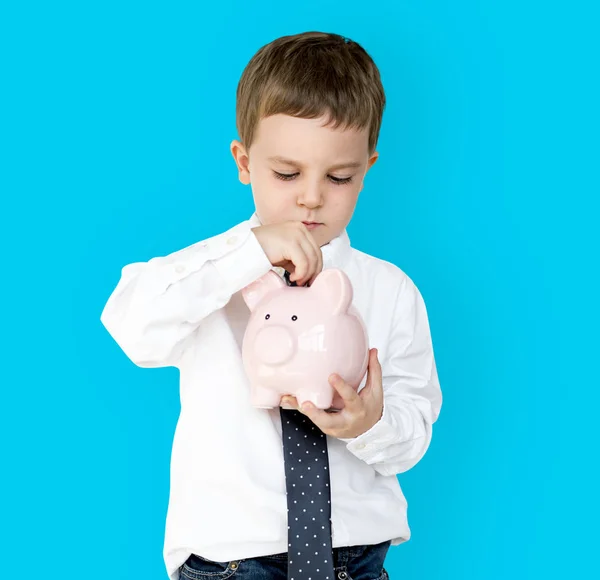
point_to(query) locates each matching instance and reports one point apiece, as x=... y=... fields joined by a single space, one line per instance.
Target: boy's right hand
x=290 y=245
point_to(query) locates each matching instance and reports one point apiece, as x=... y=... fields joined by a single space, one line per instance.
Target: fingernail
x=286 y=406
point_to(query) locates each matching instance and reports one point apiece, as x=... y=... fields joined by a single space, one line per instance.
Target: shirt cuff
x=368 y=445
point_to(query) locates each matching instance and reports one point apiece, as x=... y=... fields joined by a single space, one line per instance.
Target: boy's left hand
x=361 y=410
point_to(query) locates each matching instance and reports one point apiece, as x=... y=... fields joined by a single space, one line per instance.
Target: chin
x=323 y=237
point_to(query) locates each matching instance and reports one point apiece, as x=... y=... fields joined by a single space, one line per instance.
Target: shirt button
x=232 y=240
x=179 y=269
x=342 y=575
x=361 y=446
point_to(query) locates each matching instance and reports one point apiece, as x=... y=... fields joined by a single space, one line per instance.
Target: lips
x=311 y=225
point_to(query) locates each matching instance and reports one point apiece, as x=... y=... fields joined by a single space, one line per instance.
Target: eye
x=332 y=178
x=285 y=176
x=294 y=318
x=340 y=180
x=267 y=317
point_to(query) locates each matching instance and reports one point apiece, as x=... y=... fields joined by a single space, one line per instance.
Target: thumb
x=371 y=372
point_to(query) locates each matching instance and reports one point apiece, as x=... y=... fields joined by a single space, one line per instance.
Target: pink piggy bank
x=298 y=336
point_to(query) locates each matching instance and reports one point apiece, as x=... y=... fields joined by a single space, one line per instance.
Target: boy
x=309 y=109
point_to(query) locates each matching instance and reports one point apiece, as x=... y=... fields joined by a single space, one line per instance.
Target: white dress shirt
x=227 y=496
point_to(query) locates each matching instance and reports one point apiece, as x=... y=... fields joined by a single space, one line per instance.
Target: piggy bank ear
x=253 y=293
x=333 y=287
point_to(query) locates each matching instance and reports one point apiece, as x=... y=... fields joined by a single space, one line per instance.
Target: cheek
x=344 y=197
x=272 y=197
x=264 y=180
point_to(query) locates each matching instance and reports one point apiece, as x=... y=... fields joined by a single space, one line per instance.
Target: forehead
x=309 y=139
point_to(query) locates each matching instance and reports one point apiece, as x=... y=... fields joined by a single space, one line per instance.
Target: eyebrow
x=285 y=161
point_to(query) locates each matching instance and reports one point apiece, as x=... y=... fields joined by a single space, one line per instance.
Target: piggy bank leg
x=320 y=398
x=264 y=397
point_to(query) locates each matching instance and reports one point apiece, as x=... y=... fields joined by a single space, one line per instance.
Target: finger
x=375 y=368
x=373 y=374
x=300 y=255
x=322 y=419
x=313 y=252
x=289 y=402
x=300 y=260
x=287 y=265
x=348 y=393
x=318 y=265
x=311 y=260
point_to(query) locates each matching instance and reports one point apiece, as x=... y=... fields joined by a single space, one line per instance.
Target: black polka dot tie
x=310 y=554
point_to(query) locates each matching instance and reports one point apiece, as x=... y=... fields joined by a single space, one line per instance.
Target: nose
x=311 y=197
x=274 y=345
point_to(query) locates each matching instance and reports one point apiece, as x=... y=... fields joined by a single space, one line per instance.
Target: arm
x=412 y=397
x=157 y=305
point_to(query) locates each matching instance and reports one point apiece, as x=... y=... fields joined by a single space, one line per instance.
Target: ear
x=333 y=287
x=374 y=157
x=254 y=293
x=242 y=160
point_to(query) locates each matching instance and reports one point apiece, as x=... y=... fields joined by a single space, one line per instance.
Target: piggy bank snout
x=274 y=345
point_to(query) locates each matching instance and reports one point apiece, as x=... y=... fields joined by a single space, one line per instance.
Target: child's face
x=292 y=167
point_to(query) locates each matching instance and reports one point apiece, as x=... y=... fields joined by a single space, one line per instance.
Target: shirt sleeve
x=157 y=305
x=412 y=395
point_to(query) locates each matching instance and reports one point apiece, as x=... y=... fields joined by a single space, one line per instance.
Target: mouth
x=311 y=225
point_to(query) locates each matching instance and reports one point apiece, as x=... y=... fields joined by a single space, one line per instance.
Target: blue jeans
x=353 y=563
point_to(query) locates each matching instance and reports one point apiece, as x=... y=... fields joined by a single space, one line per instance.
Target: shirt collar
x=335 y=253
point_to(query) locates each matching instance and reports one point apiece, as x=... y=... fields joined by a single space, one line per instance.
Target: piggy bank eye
x=294 y=318
x=267 y=317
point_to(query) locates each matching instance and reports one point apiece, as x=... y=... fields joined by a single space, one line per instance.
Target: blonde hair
x=310 y=75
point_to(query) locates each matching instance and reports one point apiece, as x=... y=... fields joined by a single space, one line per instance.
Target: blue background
x=116 y=120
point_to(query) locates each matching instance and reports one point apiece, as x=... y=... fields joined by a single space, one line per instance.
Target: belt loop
x=343 y=556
